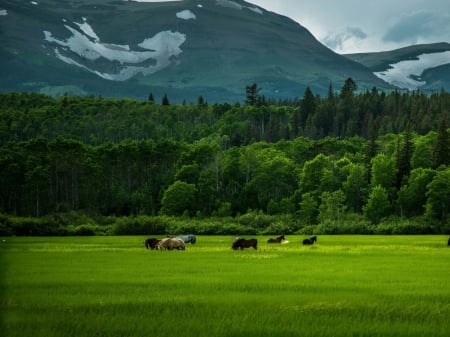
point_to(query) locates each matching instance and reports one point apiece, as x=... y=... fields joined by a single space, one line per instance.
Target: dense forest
x=348 y=162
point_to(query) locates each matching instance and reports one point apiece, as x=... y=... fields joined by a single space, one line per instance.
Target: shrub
x=141 y=225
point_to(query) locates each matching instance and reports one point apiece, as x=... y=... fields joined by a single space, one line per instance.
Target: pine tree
x=165 y=100
x=252 y=94
x=441 y=150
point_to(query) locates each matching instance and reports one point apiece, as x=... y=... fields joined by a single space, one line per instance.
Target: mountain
x=212 y=48
x=425 y=67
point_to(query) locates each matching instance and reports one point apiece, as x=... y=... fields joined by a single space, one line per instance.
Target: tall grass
x=113 y=286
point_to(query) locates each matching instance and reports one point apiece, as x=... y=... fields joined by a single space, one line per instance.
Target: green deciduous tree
x=308 y=209
x=332 y=206
x=438 y=196
x=178 y=198
x=378 y=205
x=411 y=197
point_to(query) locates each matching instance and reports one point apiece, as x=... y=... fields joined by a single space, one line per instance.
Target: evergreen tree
x=252 y=94
x=307 y=106
x=441 y=150
x=165 y=100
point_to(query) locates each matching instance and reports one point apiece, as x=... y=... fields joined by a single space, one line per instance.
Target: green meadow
x=113 y=286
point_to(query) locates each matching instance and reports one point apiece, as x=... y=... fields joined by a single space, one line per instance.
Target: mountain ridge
x=209 y=48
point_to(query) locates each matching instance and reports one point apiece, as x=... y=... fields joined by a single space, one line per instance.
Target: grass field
x=113 y=286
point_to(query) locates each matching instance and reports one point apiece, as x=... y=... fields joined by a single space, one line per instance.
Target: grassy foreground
x=113 y=286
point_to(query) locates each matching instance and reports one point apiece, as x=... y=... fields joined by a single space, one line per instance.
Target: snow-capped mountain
x=423 y=67
x=212 y=48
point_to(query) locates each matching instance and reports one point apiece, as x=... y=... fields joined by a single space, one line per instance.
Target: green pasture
x=113 y=286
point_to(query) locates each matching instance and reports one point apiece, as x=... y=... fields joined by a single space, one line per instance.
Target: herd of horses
x=170 y=242
x=179 y=242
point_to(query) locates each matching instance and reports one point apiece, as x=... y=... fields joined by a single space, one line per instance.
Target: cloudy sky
x=349 y=26
x=360 y=26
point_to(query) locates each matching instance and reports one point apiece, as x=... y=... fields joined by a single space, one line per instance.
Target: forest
x=349 y=162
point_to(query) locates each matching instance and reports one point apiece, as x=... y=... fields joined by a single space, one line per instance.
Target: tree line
x=96 y=120
x=130 y=158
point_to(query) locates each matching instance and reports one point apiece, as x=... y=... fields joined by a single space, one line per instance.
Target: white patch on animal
x=34 y=2
x=186 y=15
x=86 y=45
x=3 y=12
x=402 y=74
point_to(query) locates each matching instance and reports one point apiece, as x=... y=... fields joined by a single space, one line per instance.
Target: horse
x=240 y=243
x=276 y=240
x=171 y=244
x=310 y=241
x=151 y=243
x=188 y=238
x=448 y=243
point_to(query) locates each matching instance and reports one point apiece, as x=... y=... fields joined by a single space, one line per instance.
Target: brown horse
x=171 y=244
x=276 y=240
x=151 y=243
x=240 y=243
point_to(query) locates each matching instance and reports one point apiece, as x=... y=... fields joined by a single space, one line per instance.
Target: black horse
x=151 y=243
x=276 y=240
x=310 y=241
x=448 y=243
x=240 y=243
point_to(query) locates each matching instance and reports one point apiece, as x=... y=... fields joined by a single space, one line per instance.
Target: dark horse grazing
x=240 y=243
x=276 y=240
x=188 y=238
x=310 y=241
x=151 y=243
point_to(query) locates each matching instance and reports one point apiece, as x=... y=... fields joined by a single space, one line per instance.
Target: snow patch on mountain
x=235 y=5
x=186 y=15
x=406 y=74
x=85 y=50
x=87 y=29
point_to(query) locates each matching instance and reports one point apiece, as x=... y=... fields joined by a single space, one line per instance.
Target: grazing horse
x=151 y=243
x=187 y=238
x=276 y=240
x=171 y=244
x=240 y=243
x=310 y=241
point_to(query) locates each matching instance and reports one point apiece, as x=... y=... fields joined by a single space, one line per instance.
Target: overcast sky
x=349 y=26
